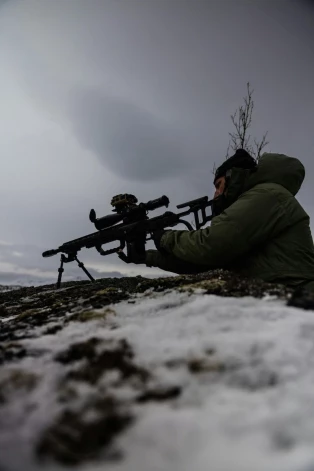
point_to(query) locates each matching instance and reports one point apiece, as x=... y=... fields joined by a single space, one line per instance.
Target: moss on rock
x=11 y=351
x=86 y=316
x=16 y=381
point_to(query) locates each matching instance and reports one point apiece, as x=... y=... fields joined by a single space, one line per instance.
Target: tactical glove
x=136 y=254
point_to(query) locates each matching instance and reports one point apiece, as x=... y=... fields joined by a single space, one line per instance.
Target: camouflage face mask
x=218 y=205
x=220 y=202
x=235 y=184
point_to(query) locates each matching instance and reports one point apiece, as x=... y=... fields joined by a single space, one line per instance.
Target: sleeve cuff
x=166 y=241
x=150 y=258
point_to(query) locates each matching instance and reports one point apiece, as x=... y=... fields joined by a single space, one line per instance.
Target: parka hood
x=286 y=171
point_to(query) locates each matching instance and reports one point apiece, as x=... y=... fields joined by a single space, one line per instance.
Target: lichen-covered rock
x=16 y=380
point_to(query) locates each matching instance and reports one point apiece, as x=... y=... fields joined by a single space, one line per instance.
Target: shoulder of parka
x=257 y=216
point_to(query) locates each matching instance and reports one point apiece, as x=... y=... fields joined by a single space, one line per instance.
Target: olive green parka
x=264 y=232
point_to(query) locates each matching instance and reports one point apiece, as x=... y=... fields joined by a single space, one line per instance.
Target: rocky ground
x=165 y=374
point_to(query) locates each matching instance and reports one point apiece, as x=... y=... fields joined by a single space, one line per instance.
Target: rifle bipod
x=63 y=260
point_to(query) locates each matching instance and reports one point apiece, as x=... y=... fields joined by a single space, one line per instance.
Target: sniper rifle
x=131 y=226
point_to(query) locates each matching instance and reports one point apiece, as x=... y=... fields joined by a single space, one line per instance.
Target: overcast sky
x=100 y=97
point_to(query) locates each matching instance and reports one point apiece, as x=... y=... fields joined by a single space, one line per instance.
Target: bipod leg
x=81 y=265
x=60 y=270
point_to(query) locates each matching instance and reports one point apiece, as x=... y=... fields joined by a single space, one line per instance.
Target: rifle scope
x=131 y=213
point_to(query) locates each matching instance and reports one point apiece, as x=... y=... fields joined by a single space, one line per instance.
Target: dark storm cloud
x=133 y=142
x=196 y=60
x=309 y=3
